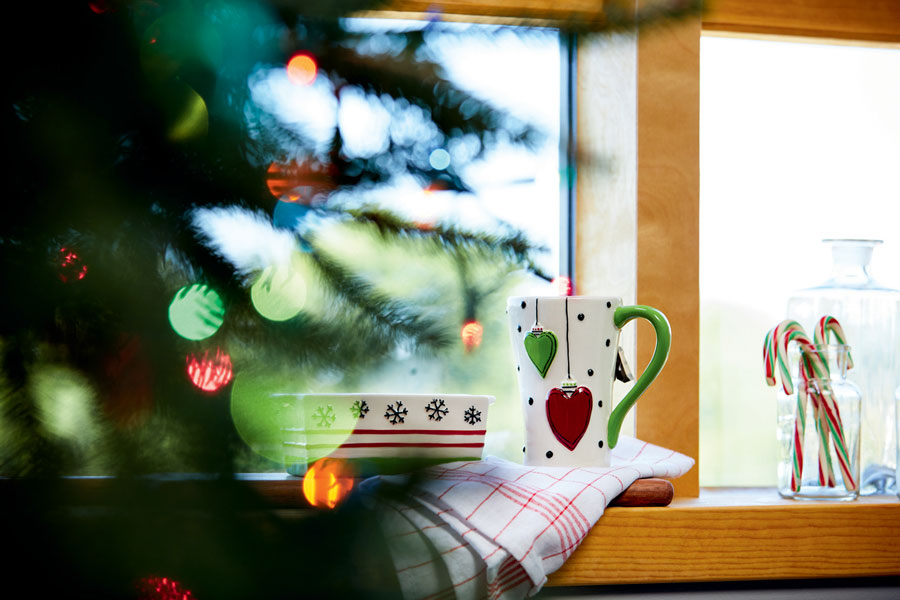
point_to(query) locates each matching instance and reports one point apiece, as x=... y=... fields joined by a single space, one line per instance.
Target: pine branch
x=392 y=319
x=454 y=111
x=513 y=247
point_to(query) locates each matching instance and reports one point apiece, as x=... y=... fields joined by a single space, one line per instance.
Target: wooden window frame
x=710 y=534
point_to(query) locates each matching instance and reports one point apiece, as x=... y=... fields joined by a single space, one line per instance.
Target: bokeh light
x=209 y=373
x=257 y=414
x=196 y=312
x=71 y=267
x=300 y=181
x=562 y=285
x=290 y=215
x=162 y=588
x=471 y=334
x=439 y=159
x=190 y=115
x=285 y=426
x=66 y=404
x=327 y=482
x=279 y=293
x=302 y=69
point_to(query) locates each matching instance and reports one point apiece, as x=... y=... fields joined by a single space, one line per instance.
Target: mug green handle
x=623 y=315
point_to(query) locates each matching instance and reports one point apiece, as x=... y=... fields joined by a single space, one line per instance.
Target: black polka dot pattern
x=581 y=316
x=549 y=454
x=600 y=403
x=519 y=328
x=608 y=342
x=590 y=372
x=600 y=443
x=530 y=401
x=523 y=304
x=609 y=305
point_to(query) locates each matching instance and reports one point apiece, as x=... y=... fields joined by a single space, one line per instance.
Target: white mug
x=565 y=349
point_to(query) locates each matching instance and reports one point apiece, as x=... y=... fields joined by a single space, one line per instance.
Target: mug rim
x=557 y=297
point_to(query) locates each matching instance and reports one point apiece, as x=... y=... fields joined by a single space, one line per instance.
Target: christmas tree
x=146 y=161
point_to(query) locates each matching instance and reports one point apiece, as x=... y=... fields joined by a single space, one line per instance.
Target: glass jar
x=847 y=398
x=870 y=316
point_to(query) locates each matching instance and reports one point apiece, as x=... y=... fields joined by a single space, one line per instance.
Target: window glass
x=799 y=143
x=513 y=185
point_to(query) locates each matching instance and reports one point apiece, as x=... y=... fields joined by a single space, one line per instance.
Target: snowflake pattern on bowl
x=324 y=416
x=396 y=415
x=472 y=415
x=436 y=410
x=359 y=409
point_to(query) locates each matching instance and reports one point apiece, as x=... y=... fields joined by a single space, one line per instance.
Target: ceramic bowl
x=382 y=433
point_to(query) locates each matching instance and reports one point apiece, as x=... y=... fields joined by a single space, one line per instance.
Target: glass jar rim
x=871 y=242
x=821 y=348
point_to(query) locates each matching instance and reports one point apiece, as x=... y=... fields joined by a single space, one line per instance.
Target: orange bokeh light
x=327 y=482
x=300 y=181
x=563 y=285
x=209 y=374
x=471 y=334
x=302 y=69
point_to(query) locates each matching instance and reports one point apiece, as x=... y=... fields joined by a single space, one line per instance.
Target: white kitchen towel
x=496 y=529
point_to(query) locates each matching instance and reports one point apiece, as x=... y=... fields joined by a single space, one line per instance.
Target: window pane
x=799 y=142
x=513 y=185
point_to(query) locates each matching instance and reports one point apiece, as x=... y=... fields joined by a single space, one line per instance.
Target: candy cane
x=825 y=406
x=799 y=433
x=809 y=366
x=832 y=417
x=785 y=332
x=826 y=466
x=775 y=355
x=829 y=324
x=836 y=429
x=769 y=357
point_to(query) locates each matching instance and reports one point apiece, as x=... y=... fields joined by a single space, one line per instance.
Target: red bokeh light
x=71 y=266
x=471 y=334
x=209 y=374
x=302 y=69
x=98 y=7
x=563 y=285
x=162 y=588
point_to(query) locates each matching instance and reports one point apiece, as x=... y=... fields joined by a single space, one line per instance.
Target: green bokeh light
x=267 y=412
x=279 y=293
x=196 y=312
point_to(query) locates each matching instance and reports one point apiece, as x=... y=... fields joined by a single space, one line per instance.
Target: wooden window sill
x=727 y=534
x=732 y=534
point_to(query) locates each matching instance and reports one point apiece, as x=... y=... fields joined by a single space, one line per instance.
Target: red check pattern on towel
x=496 y=529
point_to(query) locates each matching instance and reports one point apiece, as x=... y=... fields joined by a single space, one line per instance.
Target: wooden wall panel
x=668 y=233
x=549 y=10
x=867 y=20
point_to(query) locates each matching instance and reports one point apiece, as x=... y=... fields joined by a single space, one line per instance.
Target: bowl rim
x=403 y=395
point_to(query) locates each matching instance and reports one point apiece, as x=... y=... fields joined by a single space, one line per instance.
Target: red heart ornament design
x=569 y=414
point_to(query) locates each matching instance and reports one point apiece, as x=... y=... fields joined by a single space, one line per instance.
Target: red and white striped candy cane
x=829 y=324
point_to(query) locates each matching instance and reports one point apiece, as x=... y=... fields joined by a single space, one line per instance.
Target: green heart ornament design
x=541 y=348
